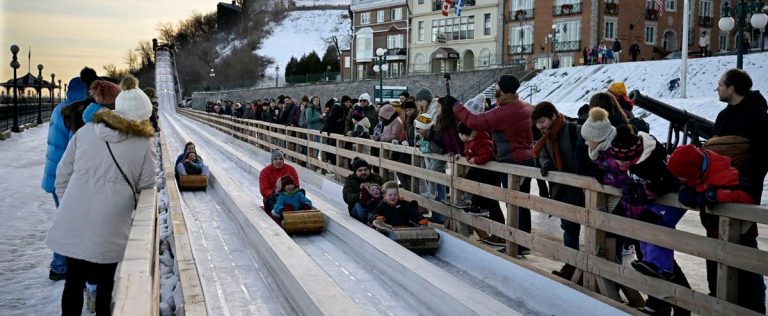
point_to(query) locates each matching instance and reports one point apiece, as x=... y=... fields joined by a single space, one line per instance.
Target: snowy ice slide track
x=362 y=262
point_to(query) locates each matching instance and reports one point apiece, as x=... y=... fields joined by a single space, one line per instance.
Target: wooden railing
x=137 y=280
x=599 y=273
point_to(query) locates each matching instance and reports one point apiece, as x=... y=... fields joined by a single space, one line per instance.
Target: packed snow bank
x=169 y=272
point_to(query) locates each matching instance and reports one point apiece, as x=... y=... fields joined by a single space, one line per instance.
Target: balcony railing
x=437 y=5
x=567 y=46
x=611 y=8
x=522 y=14
x=566 y=9
x=652 y=14
x=524 y=49
x=397 y=52
x=705 y=21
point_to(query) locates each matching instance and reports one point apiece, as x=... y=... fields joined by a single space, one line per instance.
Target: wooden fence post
x=727 y=277
x=513 y=213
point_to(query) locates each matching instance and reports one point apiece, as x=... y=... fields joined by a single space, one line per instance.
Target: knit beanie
x=305 y=99
x=132 y=103
x=423 y=121
x=626 y=146
x=476 y=104
x=359 y=163
x=508 y=84
x=597 y=127
x=104 y=92
x=345 y=98
x=386 y=111
x=618 y=88
x=687 y=162
x=423 y=95
x=277 y=154
x=365 y=97
x=358 y=115
x=286 y=180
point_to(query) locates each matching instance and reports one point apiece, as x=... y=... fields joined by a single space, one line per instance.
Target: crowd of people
x=605 y=141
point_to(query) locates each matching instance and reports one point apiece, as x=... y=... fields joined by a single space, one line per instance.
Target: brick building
x=537 y=31
x=377 y=24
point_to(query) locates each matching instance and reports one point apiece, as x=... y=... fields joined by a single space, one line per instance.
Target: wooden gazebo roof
x=28 y=81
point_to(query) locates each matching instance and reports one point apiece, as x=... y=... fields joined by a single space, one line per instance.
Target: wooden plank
x=744 y=212
x=727 y=277
x=513 y=214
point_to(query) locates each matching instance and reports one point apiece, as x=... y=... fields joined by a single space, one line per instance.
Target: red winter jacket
x=721 y=175
x=268 y=178
x=480 y=148
x=509 y=125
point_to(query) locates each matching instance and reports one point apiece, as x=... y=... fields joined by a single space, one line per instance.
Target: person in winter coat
x=302 y=112
x=290 y=114
x=98 y=197
x=335 y=121
x=634 y=50
x=104 y=93
x=509 y=124
x=269 y=179
x=556 y=151
x=397 y=212
x=616 y=50
x=290 y=198
x=644 y=158
x=58 y=138
x=73 y=113
x=392 y=125
x=703 y=44
x=608 y=102
x=708 y=180
x=369 y=111
x=189 y=147
x=362 y=125
x=314 y=115
x=192 y=164
x=353 y=184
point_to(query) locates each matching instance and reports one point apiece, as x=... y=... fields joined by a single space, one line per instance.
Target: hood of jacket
x=718 y=173
x=365 y=122
x=755 y=98
x=76 y=90
x=114 y=128
x=649 y=144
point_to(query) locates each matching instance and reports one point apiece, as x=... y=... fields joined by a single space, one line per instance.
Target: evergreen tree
x=331 y=58
x=314 y=65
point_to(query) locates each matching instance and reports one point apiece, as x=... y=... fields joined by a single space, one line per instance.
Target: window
x=521 y=36
x=364 y=47
x=723 y=41
x=457 y=28
x=347 y=61
x=420 y=63
x=650 y=34
x=610 y=29
x=380 y=16
x=568 y=31
x=487 y=24
x=541 y=63
x=365 y=18
x=361 y=71
x=522 y=5
x=670 y=5
x=421 y=31
x=705 y=8
x=421 y=2
x=395 y=41
x=396 y=14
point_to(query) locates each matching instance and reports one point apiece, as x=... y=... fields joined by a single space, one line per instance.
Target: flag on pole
x=459 y=7
x=446 y=7
x=660 y=6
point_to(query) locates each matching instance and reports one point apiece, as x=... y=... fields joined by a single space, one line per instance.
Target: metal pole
x=381 y=80
x=741 y=15
x=53 y=75
x=684 y=51
x=40 y=94
x=15 y=64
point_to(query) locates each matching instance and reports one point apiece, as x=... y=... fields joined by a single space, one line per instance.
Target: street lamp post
x=59 y=92
x=15 y=65
x=53 y=84
x=40 y=94
x=726 y=23
x=277 y=73
x=381 y=67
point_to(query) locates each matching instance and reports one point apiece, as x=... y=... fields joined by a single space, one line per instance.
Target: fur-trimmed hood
x=115 y=128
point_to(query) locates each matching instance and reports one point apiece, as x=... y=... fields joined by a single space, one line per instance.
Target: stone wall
x=475 y=81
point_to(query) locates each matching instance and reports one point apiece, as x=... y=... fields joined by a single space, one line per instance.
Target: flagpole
x=684 y=52
x=29 y=60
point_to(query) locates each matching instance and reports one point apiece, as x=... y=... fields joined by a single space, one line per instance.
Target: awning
x=445 y=53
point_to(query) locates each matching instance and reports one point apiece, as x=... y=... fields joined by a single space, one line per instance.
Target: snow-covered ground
x=301 y=32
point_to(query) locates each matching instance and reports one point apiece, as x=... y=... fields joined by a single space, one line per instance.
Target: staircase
x=487 y=84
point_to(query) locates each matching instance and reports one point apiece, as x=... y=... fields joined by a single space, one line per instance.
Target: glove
x=396 y=142
x=687 y=196
x=476 y=104
x=706 y=198
x=545 y=169
x=405 y=143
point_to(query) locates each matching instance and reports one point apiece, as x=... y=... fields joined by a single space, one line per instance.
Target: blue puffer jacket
x=59 y=135
x=91 y=110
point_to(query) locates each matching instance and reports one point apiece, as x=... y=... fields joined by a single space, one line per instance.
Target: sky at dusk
x=67 y=35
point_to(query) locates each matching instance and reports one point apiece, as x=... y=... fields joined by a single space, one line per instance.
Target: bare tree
x=166 y=31
x=146 y=53
x=131 y=60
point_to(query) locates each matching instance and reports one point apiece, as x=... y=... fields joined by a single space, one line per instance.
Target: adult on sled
x=269 y=179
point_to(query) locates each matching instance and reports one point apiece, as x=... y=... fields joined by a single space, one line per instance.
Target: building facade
x=455 y=42
x=539 y=32
x=377 y=24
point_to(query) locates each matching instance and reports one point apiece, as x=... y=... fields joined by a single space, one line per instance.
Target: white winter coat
x=703 y=41
x=96 y=207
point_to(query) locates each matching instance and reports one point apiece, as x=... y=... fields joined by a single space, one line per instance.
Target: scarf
x=551 y=137
x=602 y=146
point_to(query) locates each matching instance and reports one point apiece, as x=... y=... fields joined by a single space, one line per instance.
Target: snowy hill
x=301 y=32
x=569 y=88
